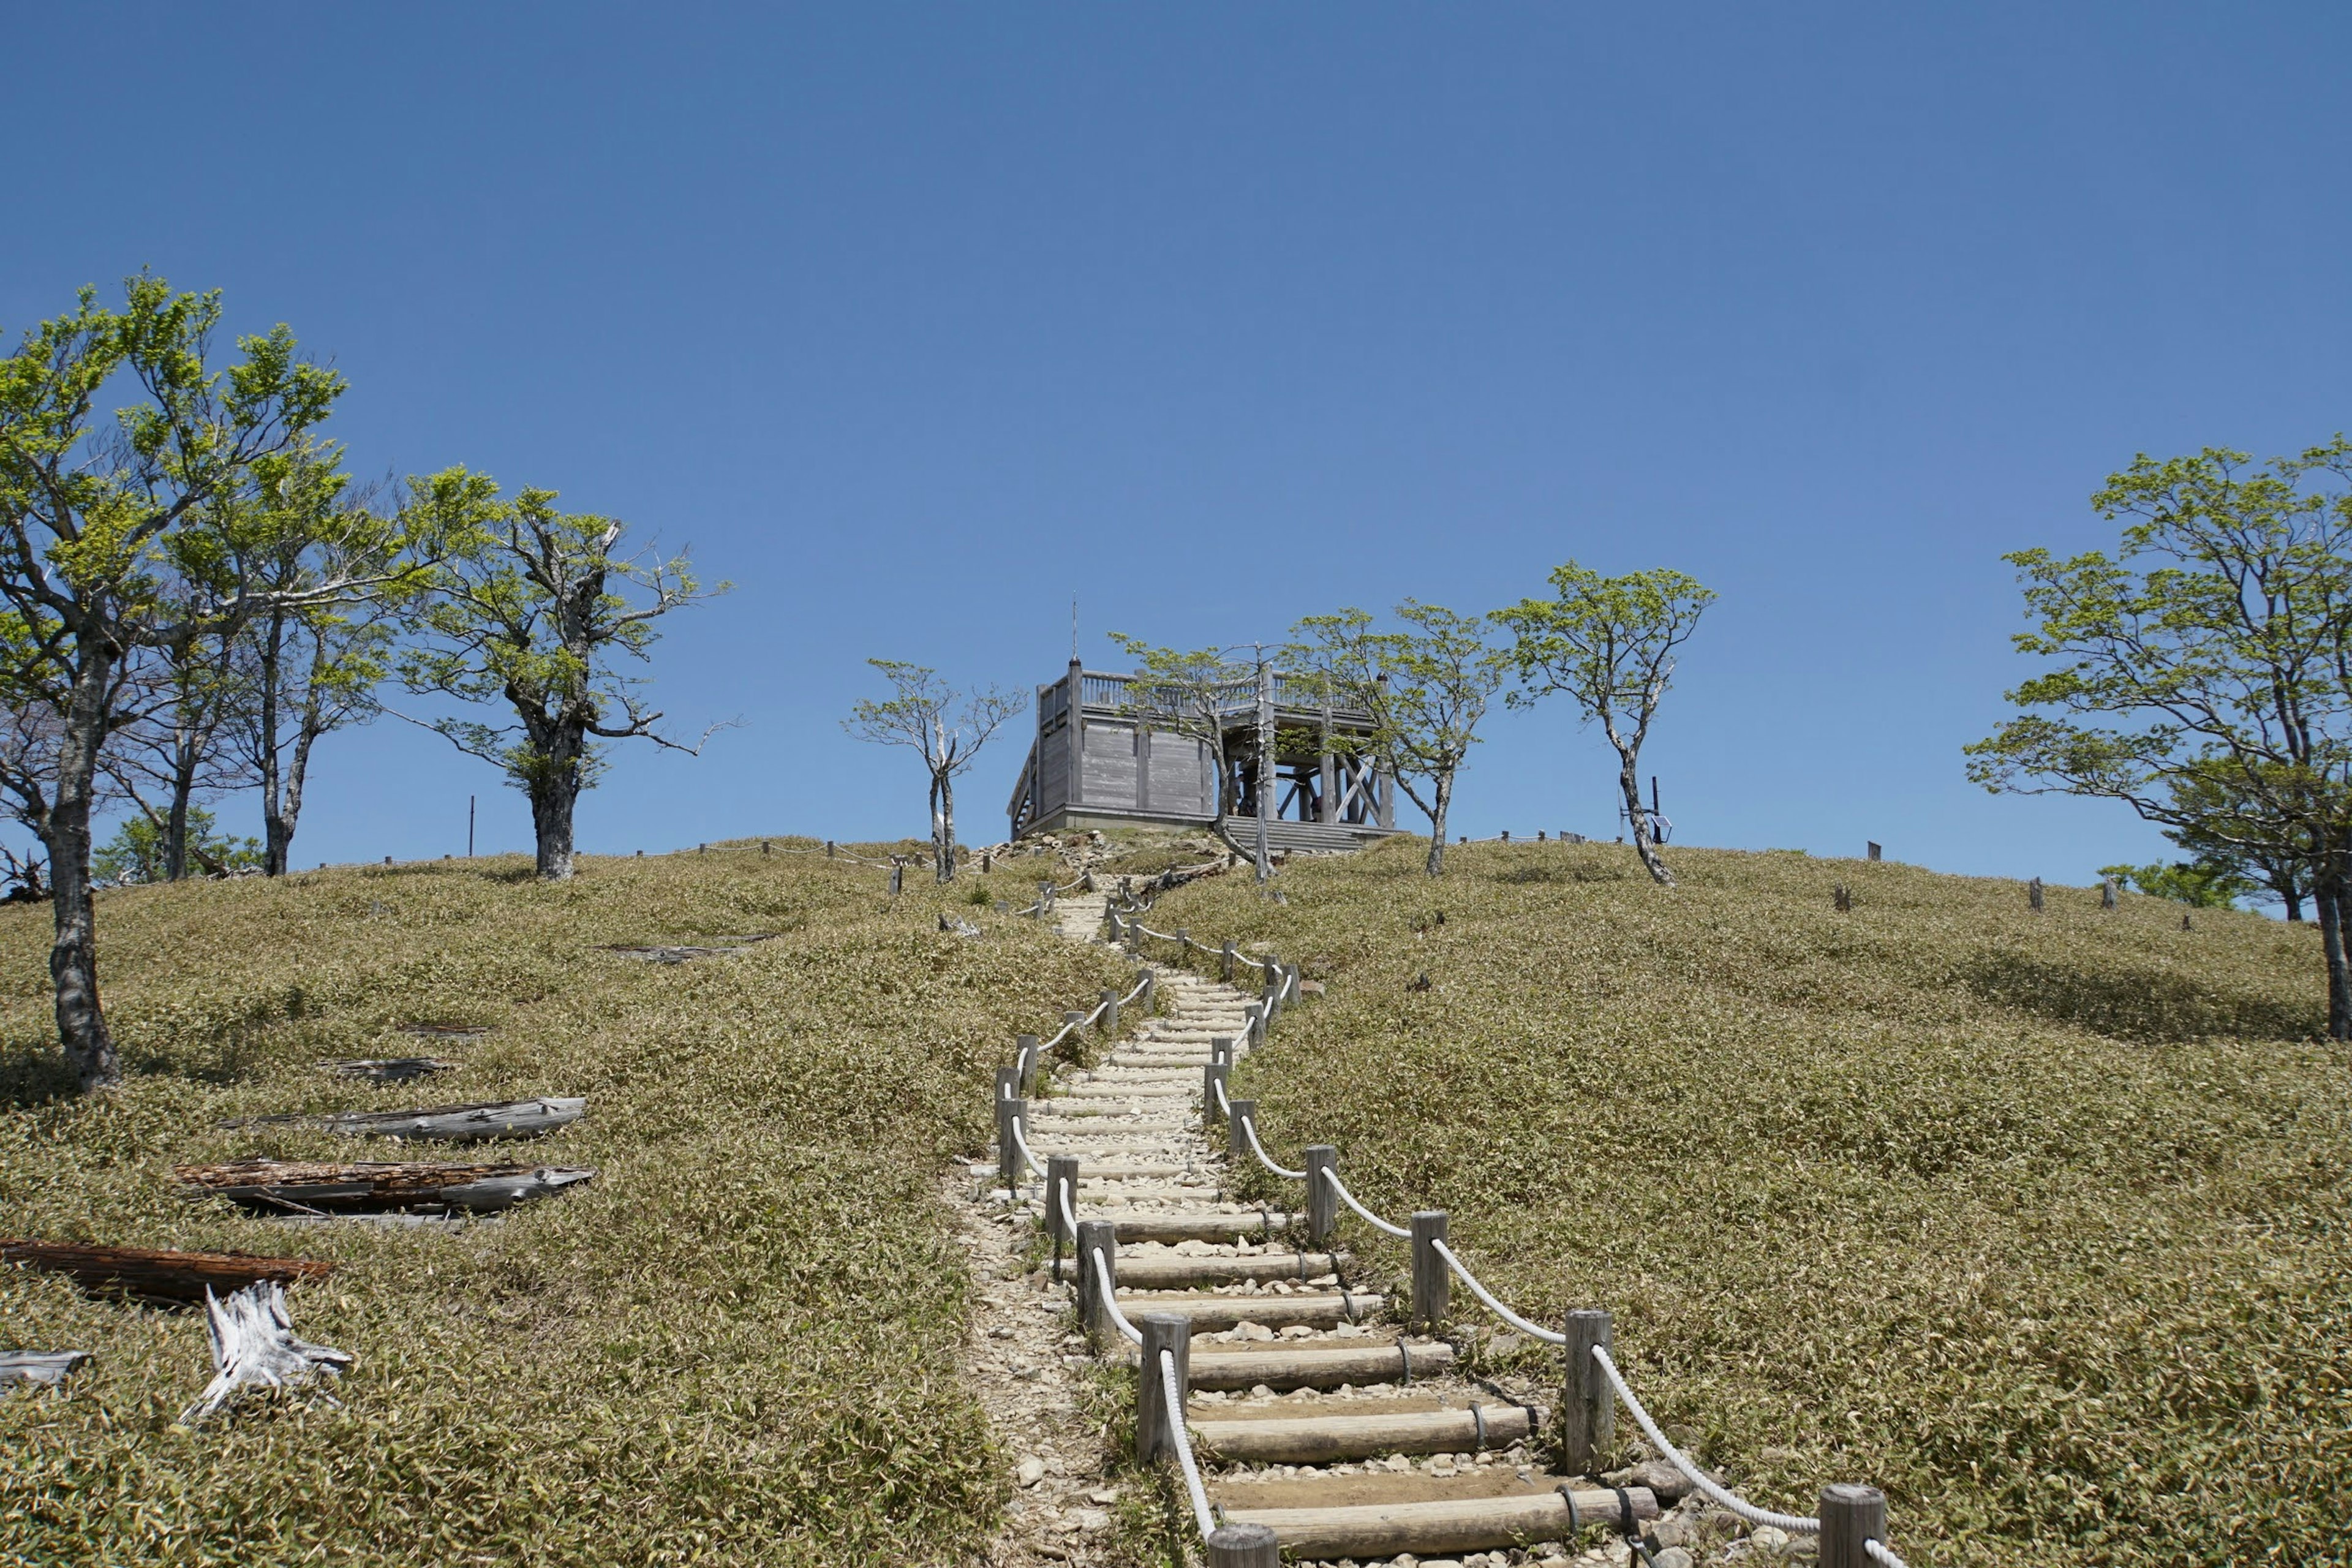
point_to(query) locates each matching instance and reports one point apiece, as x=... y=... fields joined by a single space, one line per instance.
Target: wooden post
x=1850 y=1516
x=1210 y=1077
x=2107 y=892
x=764 y=849
x=1225 y=963
x=987 y=861
x=1431 y=1280
x=1109 y=1011
x=1506 y=836
x=1291 y=978
x=1025 y=1056
x=1841 y=897
x=1270 y=999
x=1244 y=1546
x=1322 y=1203
x=1008 y=1151
x=1096 y=1236
x=1155 y=1437
x=1061 y=1171
x=828 y=848
x=1875 y=850
x=1149 y=980
x=1220 y=1051
x=1255 y=1031
x=2033 y=894
x=1237 y=1146
x=1588 y=1406
x=1183 y=943
x=897 y=879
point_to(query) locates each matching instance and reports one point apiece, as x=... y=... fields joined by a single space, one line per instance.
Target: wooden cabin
x=1100 y=760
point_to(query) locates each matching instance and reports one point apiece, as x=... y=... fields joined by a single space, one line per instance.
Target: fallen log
x=314 y=1188
x=254 y=1347
x=388 y=1069
x=450 y=1123
x=43 y=1368
x=146 y=1274
x=1311 y=1367
x=1458 y=1524
x=682 y=953
x=1301 y=1440
x=444 y=1031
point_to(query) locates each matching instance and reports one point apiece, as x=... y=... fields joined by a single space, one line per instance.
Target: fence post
x=1244 y=1546
x=1255 y=1030
x=1060 y=1169
x=1270 y=999
x=1588 y=1407
x=897 y=879
x=1850 y=1516
x=1096 y=1236
x=1220 y=1051
x=1322 y=1203
x=1225 y=961
x=1155 y=1436
x=1874 y=851
x=1237 y=1115
x=1183 y=943
x=1025 y=1056
x=2033 y=894
x=1008 y=1151
x=1430 y=1279
x=2107 y=892
x=828 y=848
x=1210 y=1077
x=1290 y=982
x=1109 y=1011
x=1150 y=979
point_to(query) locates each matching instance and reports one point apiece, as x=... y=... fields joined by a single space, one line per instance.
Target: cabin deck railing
x=1238 y=700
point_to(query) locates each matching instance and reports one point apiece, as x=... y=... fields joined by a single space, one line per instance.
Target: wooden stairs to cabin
x=1310 y=1412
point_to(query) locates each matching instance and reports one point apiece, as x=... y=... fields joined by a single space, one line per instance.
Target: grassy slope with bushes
x=2043 y=1224
x=736 y=1344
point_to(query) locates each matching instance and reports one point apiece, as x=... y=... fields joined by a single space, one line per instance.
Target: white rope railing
x=1524 y=1327
x=1249 y=1126
x=1069 y=1220
x=1111 y=1300
x=1021 y=1142
x=1349 y=1198
x=1140 y=987
x=1878 y=1551
x=1225 y=1106
x=1794 y=1524
x=1174 y=1397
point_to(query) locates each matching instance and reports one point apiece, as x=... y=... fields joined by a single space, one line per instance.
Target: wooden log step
x=1456 y=1524
x=306 y=1187
x=1209 y=1313
x=148 y=1274
x=1090 y=1175
x=1314 y=1439
x=1168 y=1269
x=38 y=1368
x=1360 y=1363
x=1098 y=1092
x=1175 y=1227
x=388 y=1069
x=447 y=1123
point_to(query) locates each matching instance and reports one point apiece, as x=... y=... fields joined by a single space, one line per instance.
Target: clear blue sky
x=915 y=323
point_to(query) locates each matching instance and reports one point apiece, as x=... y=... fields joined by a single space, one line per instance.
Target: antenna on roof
x=1074 y=628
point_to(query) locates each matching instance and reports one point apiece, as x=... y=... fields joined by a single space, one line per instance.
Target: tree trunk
x=1442 y=802
x=284 y=820
x=175 y=823
x=277 y=835
x=554 y=786
x=1629 y=779
x=2327 y=896
x=943 y=829
x=73 y=954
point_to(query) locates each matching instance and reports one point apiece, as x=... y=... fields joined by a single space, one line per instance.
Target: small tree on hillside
x=1427 y=687
x=526 y=612
x=2203 y=676
x=1192 y=693
x=166 y=753
x=945 y=727
x=1609 y=643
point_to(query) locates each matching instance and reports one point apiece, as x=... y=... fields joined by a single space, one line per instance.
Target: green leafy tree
x=2203 y=674
x=1609 y=645
x=140 y=850
x=122 y=449
x=944 y=726
x=1425 y=686
x=2202 y=884
x=530 y=610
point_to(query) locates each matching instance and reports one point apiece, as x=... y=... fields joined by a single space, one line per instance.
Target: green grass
x=2043 y=1224
x=737 y=1344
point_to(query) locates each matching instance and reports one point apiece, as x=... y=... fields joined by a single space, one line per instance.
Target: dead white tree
x=945 y=726
x=254 y=1347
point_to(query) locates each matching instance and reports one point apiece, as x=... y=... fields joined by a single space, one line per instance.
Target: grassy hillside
x=2043 y=1224
x=735 y=1345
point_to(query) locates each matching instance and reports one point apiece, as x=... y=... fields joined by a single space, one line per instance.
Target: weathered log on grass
x=1426 y=1529
x=254 y=1347
x=31 y=1369
x=444 y=1031
x=450 y=1123
x=147 y=1274
x=388 y=1069
x=683 y=953
x=316 y=1187
x=1314 y=1367
x=1313 y=1439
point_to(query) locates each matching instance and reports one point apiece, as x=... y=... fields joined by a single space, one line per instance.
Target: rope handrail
x=1162 y=936
x=1225 y=1106
x=1524 y=1327
x=1174 y=1397
x=1138 y=991
x=1795 y=1523
x=1062 y=1196
x=1111 y=1300
x=1878 y=1551
x=1021 y=1142
x=1249 y=1125
x=1349 y=1199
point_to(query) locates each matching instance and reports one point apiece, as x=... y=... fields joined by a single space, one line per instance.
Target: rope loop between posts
x=1795 y=1523
x=1173 y=1399
x=1139 y=985
x=1524 y=1327
x=1021 y=1142
x=1225 y=1106
x=1062 y=1196
x=1111 y=1300
x=1249 y=1125
x=1349 y=1198
x=1878 y=1551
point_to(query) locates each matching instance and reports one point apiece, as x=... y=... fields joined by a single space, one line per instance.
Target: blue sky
x=915 y=323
